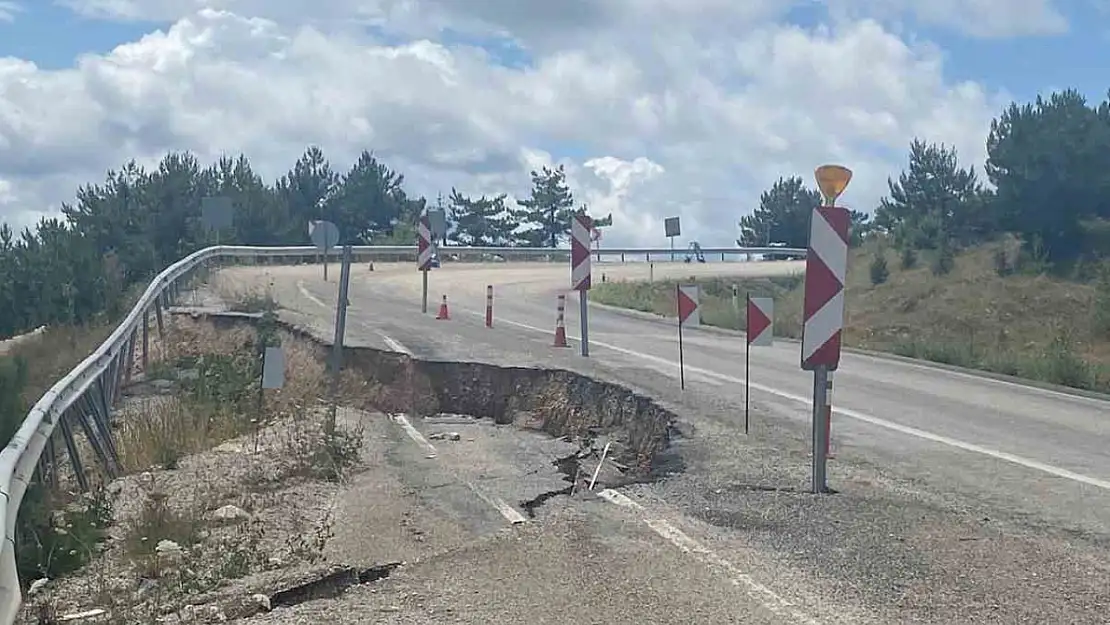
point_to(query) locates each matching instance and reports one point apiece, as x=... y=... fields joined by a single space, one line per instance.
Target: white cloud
x=8 y=10
x=656 y=107
x=977 y=18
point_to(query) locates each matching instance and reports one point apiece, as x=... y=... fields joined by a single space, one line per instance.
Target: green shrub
x=908 y=258
x=879 y=271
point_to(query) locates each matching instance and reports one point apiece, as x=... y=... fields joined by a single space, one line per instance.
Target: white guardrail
x=23 y=454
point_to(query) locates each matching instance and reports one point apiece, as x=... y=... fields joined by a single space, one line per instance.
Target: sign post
x=686 y=300
x=673 y=228
x=823 y=308
x=324 y=235
x=340 y=329
x=758 y=331
x=424 y=257
x=580 y=227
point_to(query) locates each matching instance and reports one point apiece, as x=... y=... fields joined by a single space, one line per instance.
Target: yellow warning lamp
x=832 y=180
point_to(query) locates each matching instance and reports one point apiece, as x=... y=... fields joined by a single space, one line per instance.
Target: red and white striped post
x=489 y=306
x=580 y=227
x=424 y=256
x=560 y=326
x=823 y=309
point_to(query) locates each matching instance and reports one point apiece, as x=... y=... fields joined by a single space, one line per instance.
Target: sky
x=656 y=108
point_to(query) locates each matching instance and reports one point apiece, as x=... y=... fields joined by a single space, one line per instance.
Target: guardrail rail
x=84 y=398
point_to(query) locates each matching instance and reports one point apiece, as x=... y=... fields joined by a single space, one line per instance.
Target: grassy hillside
x=980 y=315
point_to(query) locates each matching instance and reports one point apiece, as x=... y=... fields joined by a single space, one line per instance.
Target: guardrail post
x=95 y=443
x=52 y=461
x=146 y=341
x=158 y=314
x=71 y=451
x=102 y=410
x=130 y=362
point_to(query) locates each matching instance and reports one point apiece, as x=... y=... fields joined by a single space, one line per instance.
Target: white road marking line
x=858 y=416
x=413 y=433
x=304 y=291
x=394 y=344
x=618 y=498
x=766 y=597
x=510 y=513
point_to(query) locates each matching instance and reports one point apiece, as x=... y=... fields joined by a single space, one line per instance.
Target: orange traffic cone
x=443 y=314
x=560 y=329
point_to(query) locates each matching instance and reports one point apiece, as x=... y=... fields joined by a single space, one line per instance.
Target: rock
x=230 y=514
x=77 y=616
x=169 y=550
x=262 y=600
x=445 y=436
x=37 y=585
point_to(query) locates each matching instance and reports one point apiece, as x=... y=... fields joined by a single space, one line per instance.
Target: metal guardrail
x=85 y=396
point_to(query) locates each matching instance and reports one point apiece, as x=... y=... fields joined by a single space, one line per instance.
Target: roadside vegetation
x=987 y=311
x=207 y=460
x=1011 y=277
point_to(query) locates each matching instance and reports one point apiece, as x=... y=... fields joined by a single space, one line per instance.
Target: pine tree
x=545 y=215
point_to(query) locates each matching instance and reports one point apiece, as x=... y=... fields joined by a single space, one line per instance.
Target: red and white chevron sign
x=580 y=227
x=760 y=321
x=424 y=244
x=826 y=267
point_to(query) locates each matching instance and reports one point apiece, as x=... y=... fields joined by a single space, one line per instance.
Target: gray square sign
x=672 y=227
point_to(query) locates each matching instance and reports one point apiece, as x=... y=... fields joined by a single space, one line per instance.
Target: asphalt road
x=961 y=499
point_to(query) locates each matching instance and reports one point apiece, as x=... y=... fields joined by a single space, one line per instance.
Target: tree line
x=119 y=233
x=1047 y=185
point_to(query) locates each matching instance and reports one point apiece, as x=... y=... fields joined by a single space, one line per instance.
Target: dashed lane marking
x=766 y=597
x=853 y=414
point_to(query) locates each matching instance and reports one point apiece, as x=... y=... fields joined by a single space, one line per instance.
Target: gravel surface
x=917 y=534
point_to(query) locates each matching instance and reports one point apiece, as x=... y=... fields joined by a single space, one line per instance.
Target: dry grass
x=198 y=440
x=1025 y=324
x=222 y=400
x=240 y=298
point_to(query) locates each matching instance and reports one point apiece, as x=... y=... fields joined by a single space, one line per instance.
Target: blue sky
x=53 y=37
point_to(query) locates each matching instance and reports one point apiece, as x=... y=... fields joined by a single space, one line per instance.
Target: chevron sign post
x=823 y=309
x=759 y=330
x=580 y=227
x=688 y=302
x=424 y=256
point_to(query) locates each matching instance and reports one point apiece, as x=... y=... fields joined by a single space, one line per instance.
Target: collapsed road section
x=557 y=402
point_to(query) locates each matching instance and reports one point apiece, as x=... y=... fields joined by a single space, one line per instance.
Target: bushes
x=879 y=271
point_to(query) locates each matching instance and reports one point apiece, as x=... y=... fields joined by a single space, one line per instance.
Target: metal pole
x=146 y=342
x=828 y=417
x=326 y=263
x=489 y=305
x=672 y=248
x=681 y=361
x=424 y=292
x=584 y=321
x=747 y=367
x=340 y=327
x=820 y=384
